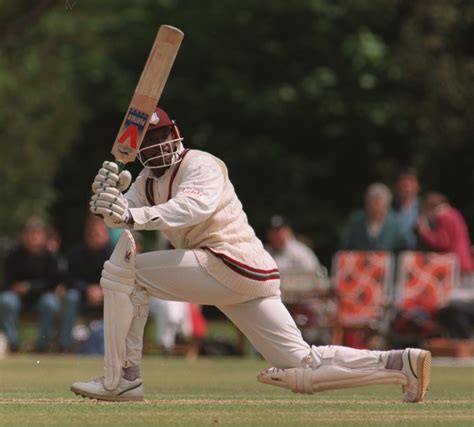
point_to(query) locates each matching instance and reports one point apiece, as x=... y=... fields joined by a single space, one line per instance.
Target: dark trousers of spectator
x=458 y=319
x=48 y=306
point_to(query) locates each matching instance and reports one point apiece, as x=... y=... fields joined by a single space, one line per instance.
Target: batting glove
x=109 y=176
x=113 y=207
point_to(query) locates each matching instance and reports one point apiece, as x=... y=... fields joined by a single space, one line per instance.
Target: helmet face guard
x=162 y=143
x=160 y=155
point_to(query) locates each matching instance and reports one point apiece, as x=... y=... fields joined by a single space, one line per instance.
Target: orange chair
x=425 y=280
x=424 y=283
x=362 y=281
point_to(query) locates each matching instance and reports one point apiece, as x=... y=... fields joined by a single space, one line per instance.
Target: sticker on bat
x=134 y=125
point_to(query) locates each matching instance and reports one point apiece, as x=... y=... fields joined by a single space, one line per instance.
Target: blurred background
x=307 y=102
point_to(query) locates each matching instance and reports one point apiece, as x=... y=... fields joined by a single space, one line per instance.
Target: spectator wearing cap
x=406 y=204
x=289 y=253
x=375 y=227
x=32 y=282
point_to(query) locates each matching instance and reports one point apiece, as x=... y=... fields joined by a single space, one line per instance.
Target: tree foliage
x=307 y=101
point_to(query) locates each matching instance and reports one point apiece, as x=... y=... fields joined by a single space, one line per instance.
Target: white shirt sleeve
x=197 y=197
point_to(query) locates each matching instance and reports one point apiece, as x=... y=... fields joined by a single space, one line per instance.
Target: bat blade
x=147 y=93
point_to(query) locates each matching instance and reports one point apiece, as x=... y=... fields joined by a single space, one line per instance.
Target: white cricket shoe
x=125 y=391
x=417 y=368
x=274 y=376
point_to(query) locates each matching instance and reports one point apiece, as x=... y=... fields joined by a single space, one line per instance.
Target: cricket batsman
x=218 y=260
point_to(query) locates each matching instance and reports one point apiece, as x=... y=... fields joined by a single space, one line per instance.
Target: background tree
x=307 y=102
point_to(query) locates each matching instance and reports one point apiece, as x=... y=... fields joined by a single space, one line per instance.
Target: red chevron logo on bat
x=130 y=132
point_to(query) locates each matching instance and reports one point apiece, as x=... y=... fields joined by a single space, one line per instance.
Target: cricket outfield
x=34 y=391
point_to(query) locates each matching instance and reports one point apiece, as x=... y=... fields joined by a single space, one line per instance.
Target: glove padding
x=109 y=176
x=112 y=206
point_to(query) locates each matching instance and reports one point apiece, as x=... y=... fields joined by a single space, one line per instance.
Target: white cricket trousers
x=176 y=275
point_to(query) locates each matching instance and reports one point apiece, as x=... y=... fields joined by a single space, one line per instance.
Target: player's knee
x=118 y=274
x=117 y=278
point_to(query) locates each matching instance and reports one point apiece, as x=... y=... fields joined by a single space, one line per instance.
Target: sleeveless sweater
x=195 y=205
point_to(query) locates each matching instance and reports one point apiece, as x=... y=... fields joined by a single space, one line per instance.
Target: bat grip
x=120 y=165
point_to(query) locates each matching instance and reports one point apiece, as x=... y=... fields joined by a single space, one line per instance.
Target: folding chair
x=425 y=279
x=362 y=281
x=424 y=283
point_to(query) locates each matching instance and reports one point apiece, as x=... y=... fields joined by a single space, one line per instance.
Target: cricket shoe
x=417 y=368
x=125 y=391
x=298 y=380
x=274 y=376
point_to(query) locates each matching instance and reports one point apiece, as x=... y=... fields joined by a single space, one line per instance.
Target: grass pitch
x=34 y=391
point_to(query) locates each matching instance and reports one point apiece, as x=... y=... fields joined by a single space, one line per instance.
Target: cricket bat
x=147 y=94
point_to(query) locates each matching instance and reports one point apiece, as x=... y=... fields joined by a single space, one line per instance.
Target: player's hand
x=112 y=206
x=109 y=176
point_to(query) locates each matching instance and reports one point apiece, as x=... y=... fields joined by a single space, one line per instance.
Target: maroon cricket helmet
x=160 y=119
x=168 y=152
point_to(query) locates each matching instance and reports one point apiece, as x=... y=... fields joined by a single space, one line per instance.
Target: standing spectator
x=32 y=281
x=407 y=204
x=86 y=261
x=376 y=227
x=442 y=228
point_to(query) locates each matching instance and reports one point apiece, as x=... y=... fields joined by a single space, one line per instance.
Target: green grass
x=210 y=392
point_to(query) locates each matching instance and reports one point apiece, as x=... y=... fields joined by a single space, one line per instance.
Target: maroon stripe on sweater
x=175 y=172
x=149 y=191
x=248 y=274
x=238 y=263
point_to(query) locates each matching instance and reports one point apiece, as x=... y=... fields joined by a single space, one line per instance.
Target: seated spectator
x=32 y=282
x=442 y=228
x=407 y=205
x=53 y=243
x=289 y=253
x=376 y=227
x=86 y=261
x=301 y=275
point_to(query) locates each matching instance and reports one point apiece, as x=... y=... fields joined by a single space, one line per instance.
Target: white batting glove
x=109 y=176
x=113 y=207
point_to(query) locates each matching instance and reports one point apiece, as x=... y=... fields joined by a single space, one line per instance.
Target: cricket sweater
x=195 y=205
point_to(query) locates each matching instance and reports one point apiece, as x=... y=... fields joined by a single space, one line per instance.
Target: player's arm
x=197 y=198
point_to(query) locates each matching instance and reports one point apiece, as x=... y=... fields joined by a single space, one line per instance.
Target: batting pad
x=118 y=284
x=336 y=370
x=134 y=342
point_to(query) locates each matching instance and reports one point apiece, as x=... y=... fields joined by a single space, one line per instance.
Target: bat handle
x=120 y=165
